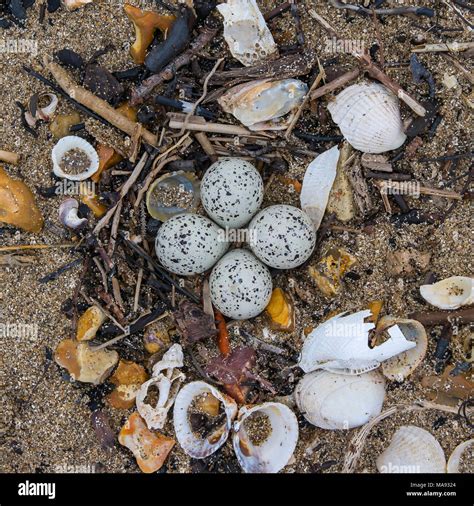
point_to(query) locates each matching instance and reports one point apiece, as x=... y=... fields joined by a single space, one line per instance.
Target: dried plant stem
x=9 y=157
x=460 y=316
x=335 y=83
x=36 y=246
x=206 y=145
x=319 y=19
x=444 y=47
x=95 y=104
x=196 y=125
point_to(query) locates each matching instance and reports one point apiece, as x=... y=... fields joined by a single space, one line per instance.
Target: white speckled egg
x=231 y=192
x=282 y=236
x=189 y=244
x=241 y=286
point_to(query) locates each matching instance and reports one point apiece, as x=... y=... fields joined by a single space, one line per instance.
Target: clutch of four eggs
x=279 y=236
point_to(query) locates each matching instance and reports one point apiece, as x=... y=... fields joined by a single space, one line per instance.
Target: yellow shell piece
x=89 y=323
x=280 y=310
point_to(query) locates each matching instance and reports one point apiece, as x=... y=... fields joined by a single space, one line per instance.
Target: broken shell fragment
x=74 y=158
x=89 y=323
x=17 y=204
x=200 y=432
x=145 y=24
x=412 y=450
x=61 y=124
x=149 y=448
x=73 y=5
x=259 y=104
x=341 y=344
x=407 y=262
x=83 y=363
x=368 y=115
x=167 y=384
x=68 y=215
x=317 y=183
x=329 y=271
x=401 y=366
x=281 y=311
x=265 y=437
x=88 y=197
x=172 y=194
x=128 y=377
x=246 y=32
x=450 y=293
x=337 y=401
x=43 y=113
x=108 y=157
x=461 y=458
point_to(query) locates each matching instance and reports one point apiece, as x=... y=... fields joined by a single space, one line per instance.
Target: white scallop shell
x=337 y=401
x=450 y=293
x=231 y=192
x=401 y=366
x=341 y=344
x=317 y=183
x=246 y=32
x=273 y=454
x=455 y=459
x=168 y=385
x=74 y=142
x=240 y=285
x=412 y=450
x=282 y=236
x=190 y=244
x=368 y=115
x=191 y=443
x=259 y=104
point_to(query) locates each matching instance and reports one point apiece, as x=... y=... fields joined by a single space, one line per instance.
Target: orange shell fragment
x=89 y=323
x=128 y=377
x=280 y=310
x=149 y=448
x=17 y=204
x=145 y=23
x=108 y=157
x=91 y=200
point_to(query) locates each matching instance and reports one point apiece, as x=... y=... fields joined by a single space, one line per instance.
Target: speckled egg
x=231 y=192
x=282 y=236
x=241 y=286
x=189 y=244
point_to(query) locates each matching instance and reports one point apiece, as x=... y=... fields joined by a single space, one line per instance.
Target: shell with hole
x=317 y=183
x=246 y=32
x=337 y=401
x=265 y=437
x=203 y=418
x=401 y=366
x=449 y=293
x=462 y=456
x=368 y=116
x=412 y=450
x=260 y=105
x=341 y=344
x=74 y=158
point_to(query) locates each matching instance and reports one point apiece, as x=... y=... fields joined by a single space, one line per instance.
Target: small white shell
x=168 y=385
x=337 y=401
x=341 y=344
x=282 y=236
x=68 y=214
x=231 y=192
x=73 y=142
x=455 y=459
x=412 y=450
x=401 y=366
x=246 y=32
x=450 y=293
x=273 y=454
x=240 y=285
x=189 y=244
x=317 y=183
x=259 y=104
x=197 y=447
x=368 y=115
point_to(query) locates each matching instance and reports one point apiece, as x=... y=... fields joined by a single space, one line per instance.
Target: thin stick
x=335 y=83
x=137 y=289
x=206 y=145
x=114 y=229
x=36 y=246
x=217 y=128
x=319 y=19
x=443 y=47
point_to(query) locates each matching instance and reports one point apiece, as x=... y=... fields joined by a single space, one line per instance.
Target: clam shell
x=263 y=100
x=341 y=344
x=368 y=115
x=73 y=142
x=191 y=443
x=412 y=450
x=455 y=459
x=401 y=366
x=317 y=183
x=271 y=455
x=450 y=293
x=246 y=32
x=337 y=401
